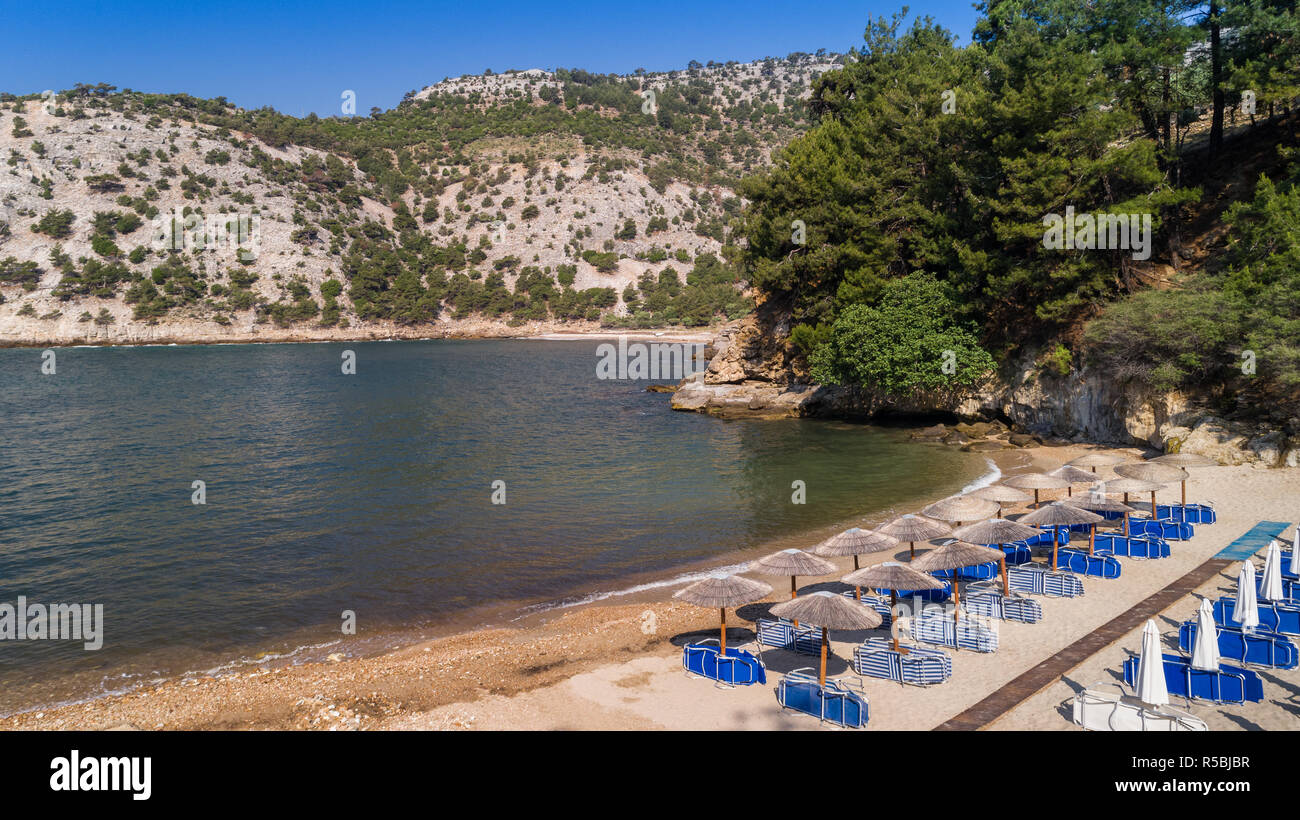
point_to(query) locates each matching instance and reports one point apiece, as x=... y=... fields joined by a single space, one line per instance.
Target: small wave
x=985 y=480
x=685 y=578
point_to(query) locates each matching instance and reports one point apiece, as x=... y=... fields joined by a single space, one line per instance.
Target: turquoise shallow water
x=373 y=493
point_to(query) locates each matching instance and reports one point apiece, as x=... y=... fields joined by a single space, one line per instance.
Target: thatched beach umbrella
x=892 y=576
x=829 y=611
x=1002 y=494
x=1036 y=482
x=913 y=528
x=794 y=563
x=997 y=531
x=855 y=542
x=954 y=555
x=959 y=508
x=1073 y=475
x=1095 y=460
x=1184 y=460
x=1154 y=473
x=1099 y=503
x=1059 y=514
x=721 y=591
x=1126 y=486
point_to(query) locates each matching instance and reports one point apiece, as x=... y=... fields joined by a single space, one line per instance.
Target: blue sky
x=300 y=57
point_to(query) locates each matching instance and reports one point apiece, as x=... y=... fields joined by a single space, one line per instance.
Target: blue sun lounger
x=1257 y=648
x=1168 y=530
x=1273 y=617
x=1287 y=574
x=926 y=595
x=938 y=628
x=782 y=634
x=1132 y=547
x=736 y=668
x=837 y=702
x=1098 y=565
x=1290 y=588
x=1038 y=580
x=1196 y=513
x=1003 y=607
x=1230 y=684
x=918 y=666
x=1017 y=554
x=979 y=572
x=879 y=604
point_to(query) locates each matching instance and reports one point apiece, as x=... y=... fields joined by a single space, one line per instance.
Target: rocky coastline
x=751 y=375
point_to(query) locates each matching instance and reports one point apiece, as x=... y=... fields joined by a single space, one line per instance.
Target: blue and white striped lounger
x=1038 y=581
x=1098 y=565
x=1133 y=547
x=782 y=634
x=1003 y=607
x=919 y=666
x=880 y=605
x=938 y=628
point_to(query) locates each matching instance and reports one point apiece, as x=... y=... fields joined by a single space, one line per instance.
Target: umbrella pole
x=1006 y=585
x=1056 y=539
x=821 y=680
x=1035 y=499
x=857 y=593
x=1069 y=491
x=1092 y=538
x=1184 y=483
x=1126 y=525
x=723 y=641
x=912 y=546
x=1153 y=506
x=792 y=596
x=893 y=605
x=956 y=599
x=855 y=562
x=999 y=509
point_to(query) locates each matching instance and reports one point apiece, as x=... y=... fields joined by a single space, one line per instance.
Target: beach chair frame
x=837 y=689
x=715 y=646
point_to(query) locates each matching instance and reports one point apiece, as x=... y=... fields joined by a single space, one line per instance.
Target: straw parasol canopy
x=997 y=531
x=1073 y=475
x=1099 y=503
x=1060 y=514
x=1156 y=474
x=1184 y=460
x=1002 y=494
x=829 y=611
x=1036 y=482
x=960 y=508
x=855 y=542
x=913 y=528
x=722 y=591
x=794 y=563
x=954 y=555
x=1095 y=460
x=892 y=576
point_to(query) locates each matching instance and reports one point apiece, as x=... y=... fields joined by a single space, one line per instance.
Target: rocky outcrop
x=752 y=374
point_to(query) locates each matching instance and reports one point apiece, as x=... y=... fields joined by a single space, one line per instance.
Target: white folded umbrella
x=1151 y=686
x=1271 y=587
x=1245 y=610
x=1205 y=654
x=1295 y=552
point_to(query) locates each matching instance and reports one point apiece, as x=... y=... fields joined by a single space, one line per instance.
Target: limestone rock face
x=752 y=375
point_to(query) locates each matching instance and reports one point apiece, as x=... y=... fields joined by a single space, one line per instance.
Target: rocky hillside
x=505 y=203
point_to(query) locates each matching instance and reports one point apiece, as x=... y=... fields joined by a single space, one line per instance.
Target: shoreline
x=632 y=596
x=469 y=332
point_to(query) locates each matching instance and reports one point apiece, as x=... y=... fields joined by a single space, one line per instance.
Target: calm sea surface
x=373 y=493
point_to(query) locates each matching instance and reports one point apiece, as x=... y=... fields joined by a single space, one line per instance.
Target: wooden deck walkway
x=1020 y=689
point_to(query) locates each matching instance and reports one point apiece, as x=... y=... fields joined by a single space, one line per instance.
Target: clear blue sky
x=300 y=57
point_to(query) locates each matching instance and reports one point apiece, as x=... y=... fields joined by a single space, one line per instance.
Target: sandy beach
x=617 y=664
